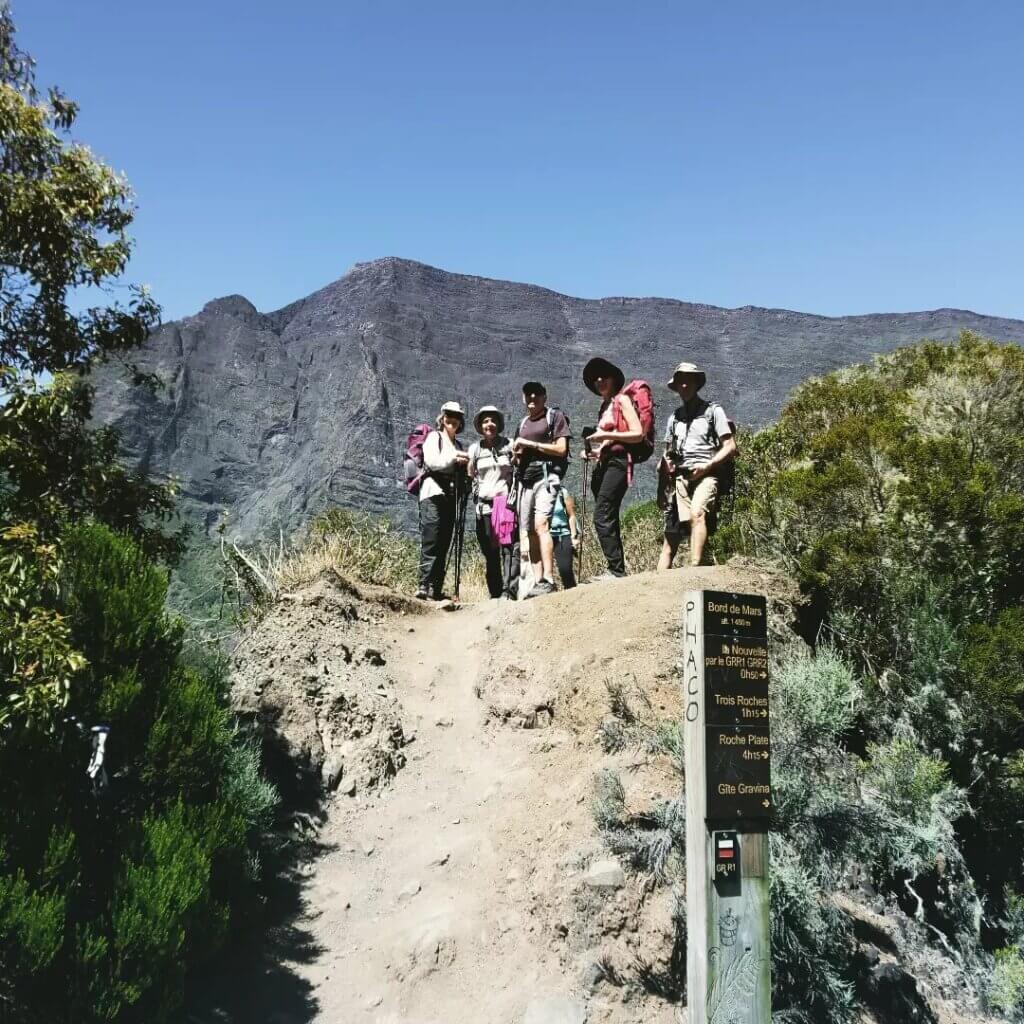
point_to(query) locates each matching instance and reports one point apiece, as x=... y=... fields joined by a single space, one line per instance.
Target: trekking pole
x=460 y=535
x=583 y=517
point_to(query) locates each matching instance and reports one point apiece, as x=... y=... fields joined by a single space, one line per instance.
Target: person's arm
x=633 y=433
x=570 y=511
x=434 y=457
x=474 y=454
x=558 y=448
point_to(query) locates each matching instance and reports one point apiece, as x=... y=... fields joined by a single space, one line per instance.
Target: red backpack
x=639 y=393
x=414 y=469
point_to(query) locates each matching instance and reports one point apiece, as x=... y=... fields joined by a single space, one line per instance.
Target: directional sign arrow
x=766 y=803
x=764 y=714
x=764 y=755
x=764 y=675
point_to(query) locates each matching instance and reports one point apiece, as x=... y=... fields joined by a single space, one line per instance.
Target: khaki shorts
x=536 y=504
x=694 y=498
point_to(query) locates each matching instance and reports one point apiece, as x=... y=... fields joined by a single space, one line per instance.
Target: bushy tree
x=894 y=493
x=108 y=893
x=111 y=895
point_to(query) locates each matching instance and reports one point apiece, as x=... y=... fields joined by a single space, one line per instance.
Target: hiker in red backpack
x=490 y=469
x=699 y=443
x=622 y=438
x=444 y=463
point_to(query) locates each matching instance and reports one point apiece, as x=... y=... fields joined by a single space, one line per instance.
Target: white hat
x=688 y=370
x=456 y=410
x=489 y=410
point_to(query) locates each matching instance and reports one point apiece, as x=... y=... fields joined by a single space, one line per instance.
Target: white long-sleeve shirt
x=439 y=457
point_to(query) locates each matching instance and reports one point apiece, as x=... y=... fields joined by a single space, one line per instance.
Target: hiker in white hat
x=445 y=463
x=699 y=444
x=490 y=469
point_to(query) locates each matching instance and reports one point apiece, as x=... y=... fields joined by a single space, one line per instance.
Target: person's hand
x=462 y=457
x=698 y=473
x=519 y=445
x=576 y=542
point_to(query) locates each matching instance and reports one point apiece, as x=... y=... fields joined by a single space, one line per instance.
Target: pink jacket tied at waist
x=503 y=520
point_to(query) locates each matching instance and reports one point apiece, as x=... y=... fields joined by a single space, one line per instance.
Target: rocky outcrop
x=275 y=416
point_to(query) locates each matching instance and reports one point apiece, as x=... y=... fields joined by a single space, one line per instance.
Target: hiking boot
x=422 y=595
x=606 y=575
x=540 y=589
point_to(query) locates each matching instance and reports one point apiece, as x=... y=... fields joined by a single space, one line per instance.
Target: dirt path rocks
x=462 y=879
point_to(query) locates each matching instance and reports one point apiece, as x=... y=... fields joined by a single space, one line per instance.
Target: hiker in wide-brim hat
x=687 y=370
x=490 y=469
x=442 y=489
x=618 y=427
x=698 y=443
x=599 y=367
x=493 y=412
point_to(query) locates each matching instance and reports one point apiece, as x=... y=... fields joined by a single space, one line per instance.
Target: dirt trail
x=415 y=907
x=457 y=893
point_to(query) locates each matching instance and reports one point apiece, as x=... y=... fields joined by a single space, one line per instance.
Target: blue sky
x=835 y=158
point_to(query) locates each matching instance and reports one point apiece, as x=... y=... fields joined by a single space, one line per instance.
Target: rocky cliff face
x=276 y=416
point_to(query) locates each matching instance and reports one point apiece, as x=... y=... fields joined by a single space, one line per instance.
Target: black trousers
x=609 y=488
x=437 y=523
x=491 y=550
x=502 y=562
x=564 y=555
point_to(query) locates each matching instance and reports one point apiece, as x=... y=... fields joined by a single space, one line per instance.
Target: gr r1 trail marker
x=728 y=806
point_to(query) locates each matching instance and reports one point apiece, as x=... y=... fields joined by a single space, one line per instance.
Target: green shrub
x=107 y=900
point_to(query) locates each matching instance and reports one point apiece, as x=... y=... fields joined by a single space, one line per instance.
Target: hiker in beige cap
x=445 y=463
x=699 y=443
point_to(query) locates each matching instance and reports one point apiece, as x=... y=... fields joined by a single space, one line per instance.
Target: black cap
x=534 y=385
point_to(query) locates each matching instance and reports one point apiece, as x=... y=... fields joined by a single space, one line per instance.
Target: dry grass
x=370 y=549
x=365 y=549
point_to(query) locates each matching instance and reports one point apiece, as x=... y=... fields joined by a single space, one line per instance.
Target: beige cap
x=456 y=410
x=688 y=370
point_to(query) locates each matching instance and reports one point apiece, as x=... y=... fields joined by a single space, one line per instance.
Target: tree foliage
x=894 y=493
x=108 y=893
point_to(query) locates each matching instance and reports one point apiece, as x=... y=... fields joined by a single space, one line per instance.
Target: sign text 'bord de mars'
x=738 y=615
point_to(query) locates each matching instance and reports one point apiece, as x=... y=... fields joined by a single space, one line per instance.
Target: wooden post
x=728 y=800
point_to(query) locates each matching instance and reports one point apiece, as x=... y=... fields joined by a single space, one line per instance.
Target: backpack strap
x=712 y=430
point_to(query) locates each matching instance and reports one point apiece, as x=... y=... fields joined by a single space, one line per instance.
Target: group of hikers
x=526 y=521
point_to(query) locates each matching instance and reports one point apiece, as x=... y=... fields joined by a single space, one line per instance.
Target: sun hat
x=491 y=410
x=600 y=367
x=688 y=370
x=456 y=410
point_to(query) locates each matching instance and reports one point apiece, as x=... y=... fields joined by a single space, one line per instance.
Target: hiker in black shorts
x=444 y=461
x=541 y=450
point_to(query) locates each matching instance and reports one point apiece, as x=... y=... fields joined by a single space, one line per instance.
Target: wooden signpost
x=728 y=807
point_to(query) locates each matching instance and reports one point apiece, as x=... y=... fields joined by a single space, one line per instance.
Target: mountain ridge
x=274 y=416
